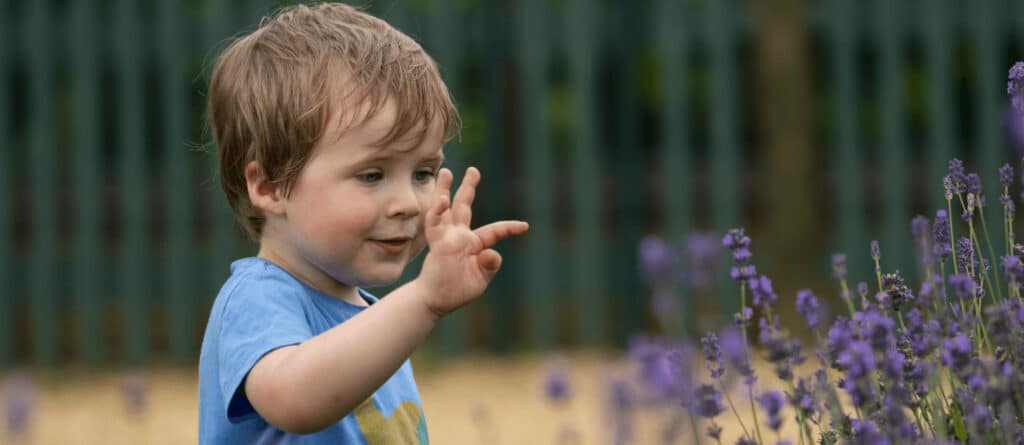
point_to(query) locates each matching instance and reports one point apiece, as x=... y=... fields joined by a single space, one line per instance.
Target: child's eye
x=424 y=175
x=370 y=178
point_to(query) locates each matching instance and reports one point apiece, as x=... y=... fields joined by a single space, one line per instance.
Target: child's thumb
x=490 y=261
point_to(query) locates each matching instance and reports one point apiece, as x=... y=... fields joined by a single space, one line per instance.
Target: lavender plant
x=940 y=362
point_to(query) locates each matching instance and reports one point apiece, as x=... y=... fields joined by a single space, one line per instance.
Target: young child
x=330 y=125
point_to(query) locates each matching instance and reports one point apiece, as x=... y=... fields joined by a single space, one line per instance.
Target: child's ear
x=264 y=194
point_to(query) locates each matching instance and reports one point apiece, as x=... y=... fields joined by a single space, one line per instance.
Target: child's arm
x=307 y=387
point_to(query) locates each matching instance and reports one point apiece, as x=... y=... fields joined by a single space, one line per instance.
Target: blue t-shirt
x=261 y=308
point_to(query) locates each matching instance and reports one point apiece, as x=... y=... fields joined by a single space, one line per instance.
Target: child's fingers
x=462 y=204
x=497 y=231
x=435 y=213
x=441 y=195
x=490 y=261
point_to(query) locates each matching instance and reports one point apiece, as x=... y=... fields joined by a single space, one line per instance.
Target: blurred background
x=816 y=125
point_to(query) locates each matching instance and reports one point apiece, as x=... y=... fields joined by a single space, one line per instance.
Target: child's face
x=356 y=211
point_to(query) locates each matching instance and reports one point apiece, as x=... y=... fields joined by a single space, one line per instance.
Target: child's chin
x=383 y=279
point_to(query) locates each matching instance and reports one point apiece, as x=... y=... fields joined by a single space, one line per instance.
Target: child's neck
x=311 y=276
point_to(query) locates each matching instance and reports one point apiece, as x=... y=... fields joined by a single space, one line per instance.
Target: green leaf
x=958 y=423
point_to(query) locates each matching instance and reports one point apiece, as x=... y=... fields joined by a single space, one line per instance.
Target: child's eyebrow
x=438 y=159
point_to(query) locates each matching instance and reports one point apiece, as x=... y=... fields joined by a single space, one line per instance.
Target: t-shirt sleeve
x=261 y=314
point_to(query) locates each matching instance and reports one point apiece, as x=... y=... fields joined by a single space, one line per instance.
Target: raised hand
x=461 y=261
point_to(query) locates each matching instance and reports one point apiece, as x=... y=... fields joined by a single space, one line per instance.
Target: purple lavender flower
x=781 y=352
x=840 y=335
x=807 y=305
x=745 y=440
x=972 y=183
x=876 y=328
x=892 y=366
x=744 y=272
x=963 y=286
x=708 y=401
x=921 y=334
x=948 y=187
x=741 y=318
x=19 y=393
x=858 y=359
x=802 y=398
x=917 y=375
x=967 y=261
x=895 y=293
x=702 y=251
x=862 y=289
x=876 y=253
x=919 y=229
x=865 y=432
x=942 y=247
x=621 y=395
x=763 y=295
x=896 y=420
x=957 y=178
x=662 y=366
x=771 y=402
x=134 y=390
x=999 y=319
x=1013 y=128
x=919 y=226
x=977 y=417
x=956 y=352
x=657 y=260
x=735 y=351
x=712 y=355
x=1006 y=175
x=556 y=380
x=839 y=266
x=1013 y=268
x=741 y=254
x=1009 y=208
x=735 y=238
x=1015 y=86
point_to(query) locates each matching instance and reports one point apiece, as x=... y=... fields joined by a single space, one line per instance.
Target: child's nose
x=404 y=202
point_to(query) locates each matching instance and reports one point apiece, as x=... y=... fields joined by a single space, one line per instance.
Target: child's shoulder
x=255 y=278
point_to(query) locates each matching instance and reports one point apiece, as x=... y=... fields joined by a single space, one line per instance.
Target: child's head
x=307 y=71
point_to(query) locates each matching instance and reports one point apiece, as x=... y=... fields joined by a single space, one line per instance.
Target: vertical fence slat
x=43 y=171
x=726 y=170
x=889 y=42
x=989 y=93
x=493 y=53
x=942 y=133
x=533 y=53
x=179 y=291
x=675 y=157
x=7 y=289
x=629 y=178
x=445 y=48
x=847 y=164
x=587 y=247
x=132 y=171
x=224 y=233
x=89 y=252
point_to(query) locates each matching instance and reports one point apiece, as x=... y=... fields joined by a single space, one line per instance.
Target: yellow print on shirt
x=405 y=425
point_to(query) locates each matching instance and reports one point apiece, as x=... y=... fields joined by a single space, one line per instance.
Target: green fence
x=596 y=121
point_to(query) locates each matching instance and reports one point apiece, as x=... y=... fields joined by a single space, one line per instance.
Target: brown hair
x=272 y=91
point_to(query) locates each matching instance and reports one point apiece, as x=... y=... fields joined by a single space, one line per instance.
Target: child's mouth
x=392 y=245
